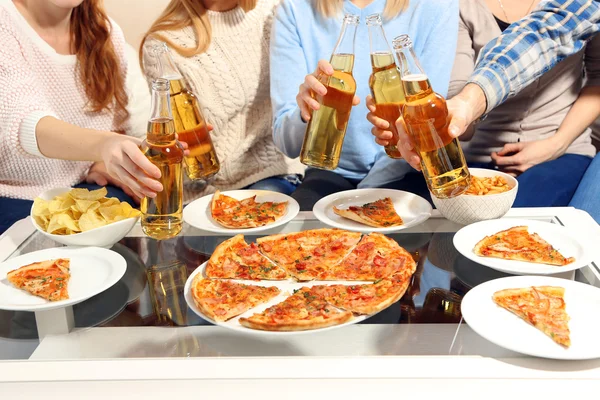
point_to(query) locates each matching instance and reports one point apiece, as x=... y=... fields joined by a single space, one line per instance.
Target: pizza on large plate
x=518 y=244
x=379 y=214
x=246 y=213
x=46 y=279
x=541 y=306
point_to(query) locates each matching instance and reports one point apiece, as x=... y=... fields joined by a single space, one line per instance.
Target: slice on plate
x=223 y=300
x=46 y=279
x=365 y=299
x=300 y=312
x=379 y=214
x=542 y=306
x=236 y=259
x=246 y=213
x=375 y=257
x=306 y=255
x=518 y=244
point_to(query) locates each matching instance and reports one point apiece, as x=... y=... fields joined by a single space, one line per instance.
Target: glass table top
x=147 y=310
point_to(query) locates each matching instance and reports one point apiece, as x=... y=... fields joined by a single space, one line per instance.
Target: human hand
x=516 y=158
x=126 y=163
x=311 y=86
x=99 y=175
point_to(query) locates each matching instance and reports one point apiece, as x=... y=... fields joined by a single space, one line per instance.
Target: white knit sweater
x=36 y=82
x=231 y=81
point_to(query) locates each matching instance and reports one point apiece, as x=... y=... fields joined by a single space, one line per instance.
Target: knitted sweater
x=231 y=81
x=36 y=82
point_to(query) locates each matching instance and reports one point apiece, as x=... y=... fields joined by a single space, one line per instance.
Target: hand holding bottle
x=313 y=85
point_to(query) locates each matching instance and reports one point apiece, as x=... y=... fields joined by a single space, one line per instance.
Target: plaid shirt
x=533 y=45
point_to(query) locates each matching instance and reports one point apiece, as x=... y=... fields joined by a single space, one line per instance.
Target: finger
x=312 y=83
x=379 y=123
x=145 y=182
x=307 y=99
x=136 y=186
x=457 y=126
x=139 y=159
x=370 y=103
x=304 y=110
x=510 y=148
x=355 y=100
x=324 y=67
x=503 y=161
x=381 y=134
x=209 y=127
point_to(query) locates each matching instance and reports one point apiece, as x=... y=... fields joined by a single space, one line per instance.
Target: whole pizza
x=372 y=271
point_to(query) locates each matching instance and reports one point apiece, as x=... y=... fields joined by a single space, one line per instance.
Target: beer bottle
x=327 y=127
x=162 y=215
x=202 y=162
x=426 y=117
x=385 y=82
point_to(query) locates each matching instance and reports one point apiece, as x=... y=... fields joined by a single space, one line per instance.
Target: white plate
x=568 y=242
x=198 y=214
x=505 y=329
x=93 y=270
x=413 y=209
x=287 y=288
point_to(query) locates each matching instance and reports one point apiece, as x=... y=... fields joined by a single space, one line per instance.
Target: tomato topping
x=301 y=266
x=319 y=251
x=353 y=289
x=379 y=261
x=267 y=247
x=336 y=245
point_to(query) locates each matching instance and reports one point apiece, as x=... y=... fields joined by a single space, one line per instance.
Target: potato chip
x=91 y=220
x=40 y=207
x=60 y=204
x=75 y=212
x=84 y=205
x=84 y=194
x=62 y=221
x=110 y=201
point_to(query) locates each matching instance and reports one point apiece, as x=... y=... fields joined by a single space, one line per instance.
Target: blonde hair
x=181 y=14
x=330 y=8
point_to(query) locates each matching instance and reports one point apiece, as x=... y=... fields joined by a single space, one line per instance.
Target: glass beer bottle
x=385 y=82
x=162 y=216
x=202 y=162
x=326 y=129
x=426 y=117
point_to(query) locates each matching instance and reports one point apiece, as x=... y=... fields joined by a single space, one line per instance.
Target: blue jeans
x=285 y=184
x=587 y=195
x=13 y=210
x=550 y=184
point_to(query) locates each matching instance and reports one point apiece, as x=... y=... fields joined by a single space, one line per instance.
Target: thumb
x=510 y=148
x=356 y=101
x=457 y=126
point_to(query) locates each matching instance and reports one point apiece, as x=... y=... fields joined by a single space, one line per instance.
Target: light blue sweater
x=301 y=37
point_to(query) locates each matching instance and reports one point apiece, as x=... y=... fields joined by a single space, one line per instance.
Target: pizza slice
x=246 y=213
x=365 y=299
x=379 y=214
x=541 y=306
x=306 y=255
x=518 y=244
x=236 y=259
x=375 y=257
x=299 y=312
x=46 y=279
x=223 y=300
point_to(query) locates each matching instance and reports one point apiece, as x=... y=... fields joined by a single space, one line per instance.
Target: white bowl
x=104 y=236
x=467 y=209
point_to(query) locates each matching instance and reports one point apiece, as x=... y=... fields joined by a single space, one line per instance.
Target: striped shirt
x=533 y=45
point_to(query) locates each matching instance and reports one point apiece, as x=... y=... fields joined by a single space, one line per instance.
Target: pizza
x=221 y=300
x=301 y=311
x=541 y=306
x=46 y=279
x=246 y=213
x=366 y=298
x=379 y=214
x=518 y=244
x=236 y=259
x=375 y=257
x=309 y=254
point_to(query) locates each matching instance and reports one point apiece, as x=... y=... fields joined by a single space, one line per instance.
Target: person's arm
x=532 y=46
x=288 y=70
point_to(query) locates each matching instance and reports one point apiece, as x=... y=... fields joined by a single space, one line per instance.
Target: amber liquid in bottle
x=202 y=163
x=426 y=118
x=162 y=216
x=387 y=91
x=327 y=127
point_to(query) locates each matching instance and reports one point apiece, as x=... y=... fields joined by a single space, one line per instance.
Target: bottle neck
x=415 y=81
x=378 y=42
x=160 y=125
x=342 y=58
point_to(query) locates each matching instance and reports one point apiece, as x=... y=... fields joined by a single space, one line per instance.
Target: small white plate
x=505 y=329
x=287 y=289
x=413 y=209
x=568 y=242
x=93 y=270
x=198 y=214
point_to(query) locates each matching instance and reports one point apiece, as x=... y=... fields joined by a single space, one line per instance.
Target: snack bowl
x=467 y=208
x=104 y=236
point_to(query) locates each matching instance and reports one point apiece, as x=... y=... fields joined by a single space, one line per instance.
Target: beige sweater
x=231 y=81
x=537 y=111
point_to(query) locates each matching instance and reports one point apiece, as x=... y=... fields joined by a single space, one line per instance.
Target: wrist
x=475 y=99
x=558 y=144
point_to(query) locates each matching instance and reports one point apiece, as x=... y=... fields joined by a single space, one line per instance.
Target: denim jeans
x=285 y=184
x=587 y=195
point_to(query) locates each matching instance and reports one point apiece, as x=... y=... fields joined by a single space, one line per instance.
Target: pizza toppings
x=379 y=214
x=246 y=213
x=542 y=306
x=47 y=279
x=518 y=244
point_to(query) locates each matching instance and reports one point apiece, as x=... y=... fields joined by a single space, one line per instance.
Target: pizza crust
x=354 y=217
x=296 y=325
